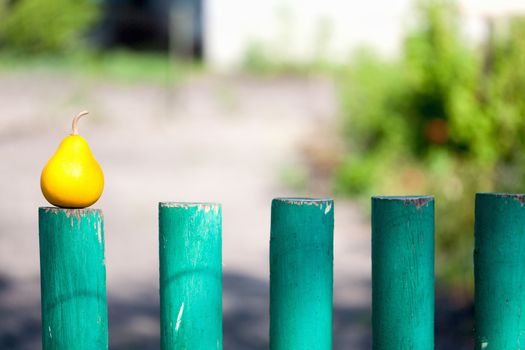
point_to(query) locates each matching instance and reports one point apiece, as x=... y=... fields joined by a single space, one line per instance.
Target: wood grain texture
x=499 y=268
x=301 y=274
x=403 y=273
x=190 y=247
x=73 y=279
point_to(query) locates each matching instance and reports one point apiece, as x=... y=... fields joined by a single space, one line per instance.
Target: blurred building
x=174 y=25
x=226 y=32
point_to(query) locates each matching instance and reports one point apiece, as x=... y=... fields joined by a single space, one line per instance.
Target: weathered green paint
x=403 y=273
x=73 y=279
x=499 y=265
x=301 y=274
x=190 y=247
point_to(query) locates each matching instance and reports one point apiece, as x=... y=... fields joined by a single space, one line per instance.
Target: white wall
x=292 y=28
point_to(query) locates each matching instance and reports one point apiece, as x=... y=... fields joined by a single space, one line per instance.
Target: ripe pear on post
x=72 y=178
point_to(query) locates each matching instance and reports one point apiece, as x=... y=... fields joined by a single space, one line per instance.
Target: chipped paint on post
x=73 y=279
x=517 y=197
x=328 y=208
x=418 y=201
x=403 y=272
x=179 y=318
x=499 y=270
x=301 y=274
x=190 y=275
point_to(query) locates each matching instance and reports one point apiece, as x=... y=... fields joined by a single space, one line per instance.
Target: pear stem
x=75 y=121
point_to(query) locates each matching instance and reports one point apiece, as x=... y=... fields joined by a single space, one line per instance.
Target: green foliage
x=119 y=66
x=446 y=119
x=33 y=26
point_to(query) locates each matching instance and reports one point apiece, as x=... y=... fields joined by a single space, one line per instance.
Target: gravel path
x=224 y=139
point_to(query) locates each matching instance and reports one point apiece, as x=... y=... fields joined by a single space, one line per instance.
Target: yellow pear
x=72 y=178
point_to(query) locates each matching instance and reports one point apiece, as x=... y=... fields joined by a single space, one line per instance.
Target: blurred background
x=242 y=101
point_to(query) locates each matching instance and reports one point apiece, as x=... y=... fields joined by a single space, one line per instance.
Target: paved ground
x=210 y=139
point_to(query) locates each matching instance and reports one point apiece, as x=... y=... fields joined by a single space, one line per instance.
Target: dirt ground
x=224 y=139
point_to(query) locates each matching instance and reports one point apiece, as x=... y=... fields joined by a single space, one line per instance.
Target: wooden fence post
x=301 y=274
x=403 y=272
x=499 y=268
x=73 y=279
x=190 y=252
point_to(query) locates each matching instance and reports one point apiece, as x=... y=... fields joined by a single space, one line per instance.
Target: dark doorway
x=153 y=25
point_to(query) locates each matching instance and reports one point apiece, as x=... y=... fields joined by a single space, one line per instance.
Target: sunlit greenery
x=447 y=118
x=35 y=26
x=121 y=66
x=51 y=36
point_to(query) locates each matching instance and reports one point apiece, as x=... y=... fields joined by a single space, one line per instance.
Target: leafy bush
x=446 y=119
x=44 y=25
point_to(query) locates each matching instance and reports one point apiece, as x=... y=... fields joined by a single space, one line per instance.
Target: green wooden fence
x=499 y=270
x=301 y=273
x=73 y=286
x=190 y=276
x=403 y=272
x=73 y=279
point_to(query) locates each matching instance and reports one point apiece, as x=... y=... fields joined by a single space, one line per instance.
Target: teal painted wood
x=73 y=279
x=403 y=273
x=499 y=268
x=301 y=274
x=190 y=247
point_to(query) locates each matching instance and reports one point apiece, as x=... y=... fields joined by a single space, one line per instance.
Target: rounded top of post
x=69 y=211
x=502 y=195
x=303 y=200
x=403 y=198
x=323 y=204
x=186 y=205
x=418 y=200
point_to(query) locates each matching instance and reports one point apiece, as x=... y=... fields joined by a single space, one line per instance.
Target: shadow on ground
x=134 y=324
